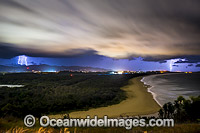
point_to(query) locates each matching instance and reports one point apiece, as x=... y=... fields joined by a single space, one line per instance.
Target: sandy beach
x=138 y=102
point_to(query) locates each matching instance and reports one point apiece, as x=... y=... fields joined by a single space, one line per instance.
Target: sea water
x=167 y=87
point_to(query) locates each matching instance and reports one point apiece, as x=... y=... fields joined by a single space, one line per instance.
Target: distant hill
x=48 y=68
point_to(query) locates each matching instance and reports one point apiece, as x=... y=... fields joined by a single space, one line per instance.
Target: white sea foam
x=167 y=87
x=11 y=86
x=149 y=90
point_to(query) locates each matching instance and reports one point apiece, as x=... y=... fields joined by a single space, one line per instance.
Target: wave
x=11 y=86
x=149 y=90
x=167 y=87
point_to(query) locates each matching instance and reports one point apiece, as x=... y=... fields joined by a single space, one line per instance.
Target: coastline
x=139 y=102
x=149 y=90
x=167 y=87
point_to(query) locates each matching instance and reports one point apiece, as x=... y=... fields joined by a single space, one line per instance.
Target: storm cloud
x=8 y=51
x=197 y=65
x=154 y=29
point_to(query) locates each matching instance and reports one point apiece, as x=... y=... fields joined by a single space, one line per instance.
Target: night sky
x=113 y=34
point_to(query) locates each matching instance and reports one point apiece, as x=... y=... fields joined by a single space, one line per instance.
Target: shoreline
x=149 y=90
x=167 y=87
x=139 y=102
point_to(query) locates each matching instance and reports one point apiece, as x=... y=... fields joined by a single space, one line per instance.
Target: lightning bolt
x=22 y=60
x=172 y=61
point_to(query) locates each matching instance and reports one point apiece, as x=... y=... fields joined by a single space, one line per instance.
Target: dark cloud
x=160 y=59
x=15 y=4
x=197 y=65
x=175 y=65
x=189 y=59
x=9 y=51
x=163 y=59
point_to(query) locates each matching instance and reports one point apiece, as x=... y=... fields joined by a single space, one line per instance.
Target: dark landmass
x=56 y=92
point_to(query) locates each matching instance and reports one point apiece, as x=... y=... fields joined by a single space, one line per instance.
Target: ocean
x=167 y=87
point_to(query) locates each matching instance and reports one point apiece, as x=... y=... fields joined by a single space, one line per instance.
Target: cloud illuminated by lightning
x=22 y=60
x=172 y=61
